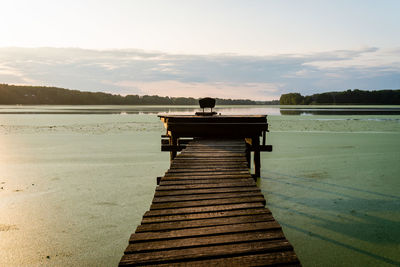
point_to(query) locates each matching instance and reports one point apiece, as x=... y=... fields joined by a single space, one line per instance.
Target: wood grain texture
x=205 y=215
x=207 y=252
x=203 y=222
x=208 y=211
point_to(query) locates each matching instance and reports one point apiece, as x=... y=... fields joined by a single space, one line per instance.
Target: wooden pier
x=207 y=209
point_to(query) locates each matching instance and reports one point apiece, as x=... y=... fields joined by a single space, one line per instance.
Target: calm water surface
x=75 y=181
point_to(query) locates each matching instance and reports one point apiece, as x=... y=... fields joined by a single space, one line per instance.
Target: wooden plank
x=203 y=209
x=240 y=148
x=204 y=181
x=194 y=159
x=213 y=166
x=206 y=252
x=153 y=227
x=206 y=164
x=205 y=215
x=203 y=186
x=208 y=151
x=175 y=117
x=204 y=241
x=208 y=160
x=204 y=231
x=280 y=258
x=217 y=173
x=225 y=147
x=211 y=155
x=235 y=172
x=178 y=161
x=219 y=177
x=207 y=191
x=207 y=202
x=172 y=147
x=207 y=170
x=219 y=152
x=266 y=148
x=182 y=141
x=210 y=170
x=205 y=196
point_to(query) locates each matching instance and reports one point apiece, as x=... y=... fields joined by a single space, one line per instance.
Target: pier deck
x=208 y=211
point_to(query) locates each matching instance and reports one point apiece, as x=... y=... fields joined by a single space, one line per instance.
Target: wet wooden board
x=152 y=227
x=203 y=209
x=208 y=211
x=207 y=202
x=207 y=215
x=223 y=173
x=286 y=258
x=179 y=198
x=205 y=181
x=202 y=241
x=205 y=178
x=206 y=191
x=206 y=252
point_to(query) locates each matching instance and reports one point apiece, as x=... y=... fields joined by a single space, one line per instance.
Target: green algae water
x=76 y=180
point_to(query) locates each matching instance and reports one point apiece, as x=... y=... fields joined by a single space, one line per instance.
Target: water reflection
x=190 y=110
x=340 y=111
x=123 y=110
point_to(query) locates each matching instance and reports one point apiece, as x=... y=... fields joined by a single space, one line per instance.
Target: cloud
x=201 y=89
x=131 y=71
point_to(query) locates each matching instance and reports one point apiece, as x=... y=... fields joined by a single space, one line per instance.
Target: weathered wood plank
x=206 y=161
x=207 y=170
x=207 y=202
x=204 y=231
x=208 y=151
x=280 y=258
x=207 y=252
x=202 y=165
x=205 y=215
x=194 y=159
x=220 y=168
x=211 y=177
x=205 y=196
x=203 y=209
x=204 y=181
x=235 y=172
x=206 y=191
x=204 y=241
x=203 y=186
x=152 y=227
x=212 y=155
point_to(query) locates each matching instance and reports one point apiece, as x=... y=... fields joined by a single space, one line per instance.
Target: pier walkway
x=208 y=211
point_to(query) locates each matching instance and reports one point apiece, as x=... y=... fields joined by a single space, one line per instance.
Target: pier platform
x=207 y=209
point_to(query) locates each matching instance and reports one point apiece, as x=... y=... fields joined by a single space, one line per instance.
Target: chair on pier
x=207 y=102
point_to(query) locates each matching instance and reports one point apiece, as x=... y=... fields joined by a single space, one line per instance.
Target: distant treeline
x=41 y=95
x=357 y=97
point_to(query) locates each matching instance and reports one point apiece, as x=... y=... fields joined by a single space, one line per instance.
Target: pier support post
x=257 y=161
x=173 y=141
x=248 y=155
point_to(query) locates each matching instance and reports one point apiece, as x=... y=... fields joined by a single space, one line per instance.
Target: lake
x=76 y=180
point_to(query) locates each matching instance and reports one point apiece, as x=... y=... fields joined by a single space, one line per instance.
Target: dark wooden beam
x=173 y=148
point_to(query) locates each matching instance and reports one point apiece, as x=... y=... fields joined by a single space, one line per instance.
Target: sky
x=232 y=49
